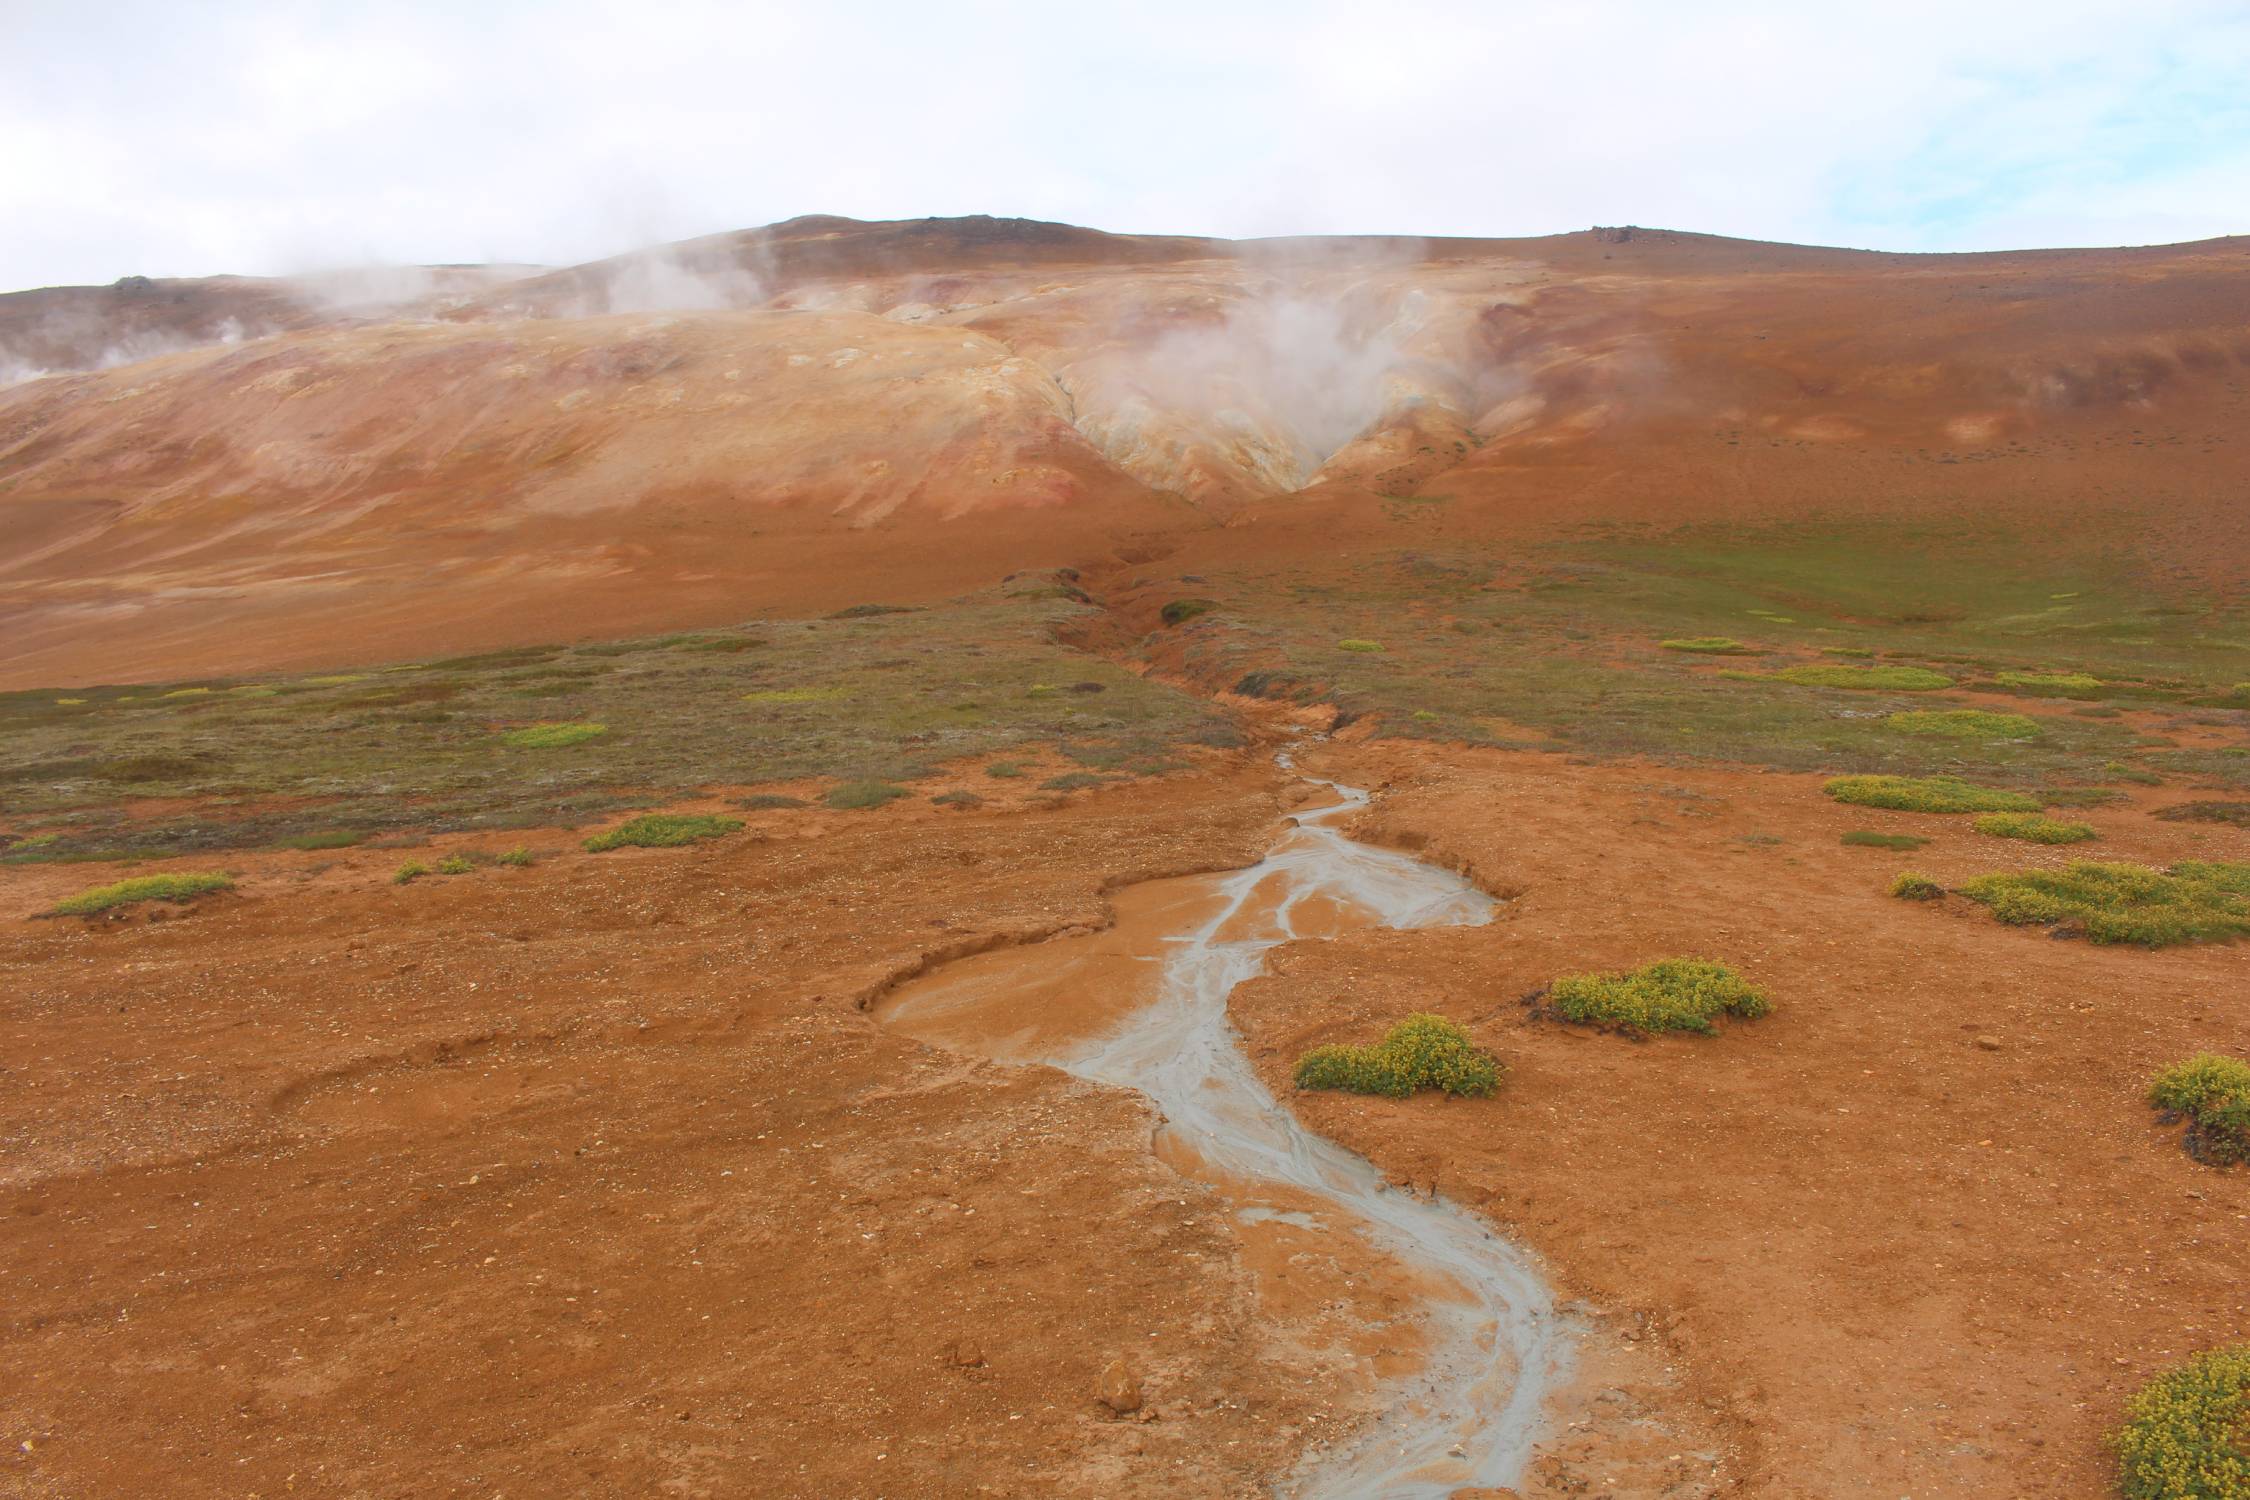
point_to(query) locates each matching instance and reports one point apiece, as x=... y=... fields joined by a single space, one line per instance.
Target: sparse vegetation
x=2035 y=828
x=857 y=796
x=2122 y=903
x=2050 y=684
x=1358 y=645
x=1420 y=1052
x=409 y=872
x=769 y=802
x=553 y=736
x=182 y=887
x=662 y=831
x=1866 y=679
x=1861 y=838
x=455 y=864
x=1709 y=645
x=2187 y=1432
x=960 y=799
x=1006 y=770
x=2082 y=796
x=2234 y=814
x=2212 y=1093
x=1671 y=994
x=518 y=857
x=1180 y=611
x=1933 y=794
x=1964 y=724
x=1909 y=886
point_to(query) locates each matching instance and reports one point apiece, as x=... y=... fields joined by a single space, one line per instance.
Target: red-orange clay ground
x=598 y=1177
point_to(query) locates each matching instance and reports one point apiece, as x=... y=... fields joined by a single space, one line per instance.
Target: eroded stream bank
x=1491 y=1345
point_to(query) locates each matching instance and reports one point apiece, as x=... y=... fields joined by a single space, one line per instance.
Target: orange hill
x=827 y=412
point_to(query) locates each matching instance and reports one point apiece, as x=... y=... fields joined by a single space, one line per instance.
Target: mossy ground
x=505 y=739
x=1561 y=646
x=2123 y=903
x=1671 y=994
x=1420 y=1052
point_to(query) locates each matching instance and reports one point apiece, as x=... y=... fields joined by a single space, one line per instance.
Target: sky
x=180 y=140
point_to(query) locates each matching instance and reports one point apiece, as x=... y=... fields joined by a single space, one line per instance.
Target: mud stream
x=1493 y=1346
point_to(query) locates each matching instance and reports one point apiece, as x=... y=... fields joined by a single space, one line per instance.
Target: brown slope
x=923 y=405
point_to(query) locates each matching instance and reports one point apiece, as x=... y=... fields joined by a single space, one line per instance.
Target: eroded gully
x=1494 y=1345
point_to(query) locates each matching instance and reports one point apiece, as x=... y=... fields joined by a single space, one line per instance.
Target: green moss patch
x=2234 y=814
x=2035 y=828
x=1710 y=645
x=2192 y=902
x=1671 y=994
x=2212 y=1093
x=553 y=736
x=1180 y=611
x=1912 y=887
x=1860 y=838
x=663 y=831
x=1420 y=1052
x=1935 y=794
x=857 y=796
x=2187 y=1432
x=2051 y=684
x=1964 y=724
x=184 y=887
x=1866 y=679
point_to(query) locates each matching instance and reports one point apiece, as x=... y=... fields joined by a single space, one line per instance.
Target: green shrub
x=1006 y=770
x=409 y=872
x=1180 y=611
x=2235 y=813
x=1710 y=645
x=1912 y=887
x=1420 y=1052
x=662 y=831
x=963 y=799
x=2050 y=684
x=1867 y=679
x=1861 y=652
x=1938 y=794
x=2118 y=770
x=2120 y=903
x=1860 y=838
x=854 y=796
x=518 y=857
x=1671 y=994
x=552 y=736
x=184 y=887
x=2212 y=1093
x=2082 y=796
x=333 y=838
x=1964 y=724
x=1357 y=645
x=2187 y=1432
x=2037 y=828
x=455 y=864
x=1071 y=781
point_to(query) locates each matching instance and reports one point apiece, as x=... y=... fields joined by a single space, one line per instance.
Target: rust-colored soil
x=1915 y=1233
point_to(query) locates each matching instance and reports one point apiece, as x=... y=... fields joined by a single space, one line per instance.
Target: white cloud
x=164 y=139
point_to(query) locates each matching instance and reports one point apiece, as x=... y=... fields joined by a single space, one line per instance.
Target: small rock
x=967 y=1355
x=1120 y=1388
x=1988 y=1043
